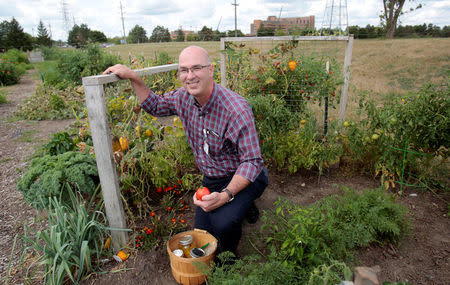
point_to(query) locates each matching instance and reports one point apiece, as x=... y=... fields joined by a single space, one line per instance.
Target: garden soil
x=423 y=258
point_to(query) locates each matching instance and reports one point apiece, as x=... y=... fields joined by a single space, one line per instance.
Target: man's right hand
x=124 y=72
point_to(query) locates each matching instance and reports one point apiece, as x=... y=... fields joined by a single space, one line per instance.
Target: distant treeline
x=407 y=31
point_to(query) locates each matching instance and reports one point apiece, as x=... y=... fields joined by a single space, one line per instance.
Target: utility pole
x=235 y=17
x=123 y=25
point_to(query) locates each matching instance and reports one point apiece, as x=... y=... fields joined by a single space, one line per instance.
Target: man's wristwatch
x=230 y=194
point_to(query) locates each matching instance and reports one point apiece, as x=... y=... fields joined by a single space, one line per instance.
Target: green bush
x=333 y=228
x=48 y=177
x=50 y=53
x=418 y=122
x=9 y=74
x=73 y=65
x=15 y=56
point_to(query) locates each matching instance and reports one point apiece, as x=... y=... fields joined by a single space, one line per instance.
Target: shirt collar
x=208 y=106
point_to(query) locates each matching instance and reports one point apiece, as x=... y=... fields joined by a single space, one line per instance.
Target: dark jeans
x=225 y=222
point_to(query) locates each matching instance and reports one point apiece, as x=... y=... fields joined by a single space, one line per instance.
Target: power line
x=65 y=16
x=335 y=17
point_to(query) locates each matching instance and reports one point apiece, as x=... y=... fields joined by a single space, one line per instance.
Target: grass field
x=379 y=66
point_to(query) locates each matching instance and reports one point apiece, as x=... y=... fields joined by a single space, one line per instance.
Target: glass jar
x=197 y=252
x=185 y=243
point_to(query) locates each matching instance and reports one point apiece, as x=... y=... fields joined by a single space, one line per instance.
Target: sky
x=105 y=15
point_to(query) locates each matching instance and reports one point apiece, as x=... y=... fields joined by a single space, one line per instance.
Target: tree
x=392 y=11
x=13 y=36
x=193 y=38
x=180 y=35
x=206 y=34
x=217 y=35
x=78 y=36
x=43 y=38
x=230 y=33
x=4 y=29
x=263 y=31
x=280 y=32
x=160 y=34
x=137 y=35
x=97 y=37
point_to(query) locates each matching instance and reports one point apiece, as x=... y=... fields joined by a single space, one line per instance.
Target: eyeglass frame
x=185 y=70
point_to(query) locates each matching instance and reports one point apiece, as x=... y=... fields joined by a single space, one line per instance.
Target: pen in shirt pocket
x=213 y=132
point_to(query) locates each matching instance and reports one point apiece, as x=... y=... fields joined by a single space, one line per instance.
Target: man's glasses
x=194 y=69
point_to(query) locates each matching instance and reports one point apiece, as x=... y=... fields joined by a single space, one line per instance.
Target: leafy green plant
x=332 y=273
x=48 y=176
x=73 y=65
x=59 y=144
x=72 y=246
x=417 y=122
x=9 y=74
x=248 y=270
x=332 y=228
x=357 y=220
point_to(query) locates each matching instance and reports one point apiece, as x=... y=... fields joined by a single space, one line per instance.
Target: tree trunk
x=390 y=31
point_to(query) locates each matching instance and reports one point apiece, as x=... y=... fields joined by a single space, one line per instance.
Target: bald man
x=220 y=127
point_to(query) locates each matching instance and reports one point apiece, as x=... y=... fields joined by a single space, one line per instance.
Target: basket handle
x=200 y=231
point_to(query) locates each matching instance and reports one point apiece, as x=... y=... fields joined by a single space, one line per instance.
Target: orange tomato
x=123 y=143
x=108 y=243
x=121 y=255
x=292 y=65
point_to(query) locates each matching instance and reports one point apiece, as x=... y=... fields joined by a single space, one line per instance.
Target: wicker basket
x=183 y=270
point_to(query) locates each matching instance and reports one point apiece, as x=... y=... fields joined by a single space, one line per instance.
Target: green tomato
x=393 y=120
x=375 y=137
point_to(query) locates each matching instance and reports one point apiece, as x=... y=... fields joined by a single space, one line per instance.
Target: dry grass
x=379 y=66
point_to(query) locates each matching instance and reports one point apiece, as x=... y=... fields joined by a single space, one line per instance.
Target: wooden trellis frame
x=101 y=137
x=347 y=60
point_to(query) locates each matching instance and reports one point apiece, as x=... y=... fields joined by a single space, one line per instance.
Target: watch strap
x=230 y=194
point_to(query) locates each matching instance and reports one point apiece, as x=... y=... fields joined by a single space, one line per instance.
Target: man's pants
x=225 y=222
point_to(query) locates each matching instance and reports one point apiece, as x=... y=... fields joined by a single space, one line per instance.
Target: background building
x=282 y=23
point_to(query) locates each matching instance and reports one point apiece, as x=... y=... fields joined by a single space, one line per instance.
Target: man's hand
x=122 y=71
x=211 y=201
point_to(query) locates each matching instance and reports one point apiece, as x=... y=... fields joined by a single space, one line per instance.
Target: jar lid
x=186 y=240
x=178 y=252
x=197 y=252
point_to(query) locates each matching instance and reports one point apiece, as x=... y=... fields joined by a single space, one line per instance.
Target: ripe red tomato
x=202 y=192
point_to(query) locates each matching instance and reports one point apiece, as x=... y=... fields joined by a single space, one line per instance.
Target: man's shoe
x=252 y=214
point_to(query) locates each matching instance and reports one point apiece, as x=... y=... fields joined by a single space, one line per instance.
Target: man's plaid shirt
x=222 y=134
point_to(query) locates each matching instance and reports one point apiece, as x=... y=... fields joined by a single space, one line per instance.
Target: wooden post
x=344 y=93
x=101 y=137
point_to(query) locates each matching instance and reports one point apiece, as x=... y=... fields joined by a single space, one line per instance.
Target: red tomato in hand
x=201 y=192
